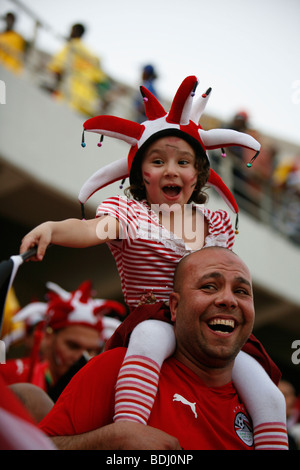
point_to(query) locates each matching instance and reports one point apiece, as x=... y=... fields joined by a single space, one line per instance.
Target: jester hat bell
x=182 y=120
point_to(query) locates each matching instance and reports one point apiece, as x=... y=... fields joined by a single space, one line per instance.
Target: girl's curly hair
x=138 y=191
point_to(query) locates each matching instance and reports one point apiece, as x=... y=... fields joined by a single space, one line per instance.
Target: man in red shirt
x=197 y=406
x=73 y=327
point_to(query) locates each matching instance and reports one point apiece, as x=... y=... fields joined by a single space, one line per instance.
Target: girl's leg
x=151 y=342
x=264 y=402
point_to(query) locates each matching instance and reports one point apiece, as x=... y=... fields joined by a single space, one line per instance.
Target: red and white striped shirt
x=146 y=253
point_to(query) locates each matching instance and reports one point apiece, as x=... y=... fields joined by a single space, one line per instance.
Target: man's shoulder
x=112 y=357
x=100 y=369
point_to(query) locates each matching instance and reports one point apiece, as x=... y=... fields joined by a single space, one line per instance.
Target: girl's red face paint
x=169 y=172
x=146 y=177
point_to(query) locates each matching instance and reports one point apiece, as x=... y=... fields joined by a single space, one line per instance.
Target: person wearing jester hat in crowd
x=72 y=327
x=150 y=231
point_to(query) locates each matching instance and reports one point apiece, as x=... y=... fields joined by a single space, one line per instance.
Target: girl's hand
x=39 y=237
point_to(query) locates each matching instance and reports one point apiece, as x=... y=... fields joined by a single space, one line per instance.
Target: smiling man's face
x=212 y=306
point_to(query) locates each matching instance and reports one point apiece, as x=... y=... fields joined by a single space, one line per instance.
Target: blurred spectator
x=12 y=46
x=148 y=78
x=32 y=316
x=233 y=169
x=75 y=328
x=240 y=123
x=292 y=413
x=286 y=180
x=259 y=176
x=18 y=428
x=249 y=185
x=79 y=79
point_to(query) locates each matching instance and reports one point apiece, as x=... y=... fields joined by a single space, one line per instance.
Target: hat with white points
x=182 y=120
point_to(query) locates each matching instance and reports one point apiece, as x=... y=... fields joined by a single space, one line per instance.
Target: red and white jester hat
x=182 y=120
x=79 y=308
x=64 y=309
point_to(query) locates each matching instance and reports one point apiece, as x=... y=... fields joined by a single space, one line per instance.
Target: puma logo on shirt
x=177 y=397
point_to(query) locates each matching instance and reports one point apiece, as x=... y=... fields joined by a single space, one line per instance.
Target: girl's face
x=168 y=171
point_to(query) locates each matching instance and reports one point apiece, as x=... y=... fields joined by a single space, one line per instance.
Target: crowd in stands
x=270 y=191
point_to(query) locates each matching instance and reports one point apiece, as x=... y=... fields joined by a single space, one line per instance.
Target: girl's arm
x=72 y=233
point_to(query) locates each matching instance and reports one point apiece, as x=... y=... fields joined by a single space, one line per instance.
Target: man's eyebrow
x=242 y=280
x=211 y=275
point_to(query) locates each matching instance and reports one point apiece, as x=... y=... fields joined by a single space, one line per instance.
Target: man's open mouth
x=222 y=325
x=171 y=190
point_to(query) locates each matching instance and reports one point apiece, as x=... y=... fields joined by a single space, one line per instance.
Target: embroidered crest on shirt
x=243 y=428
x=181 y=399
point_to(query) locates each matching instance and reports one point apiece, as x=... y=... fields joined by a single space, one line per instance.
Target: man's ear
x=173 y=304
